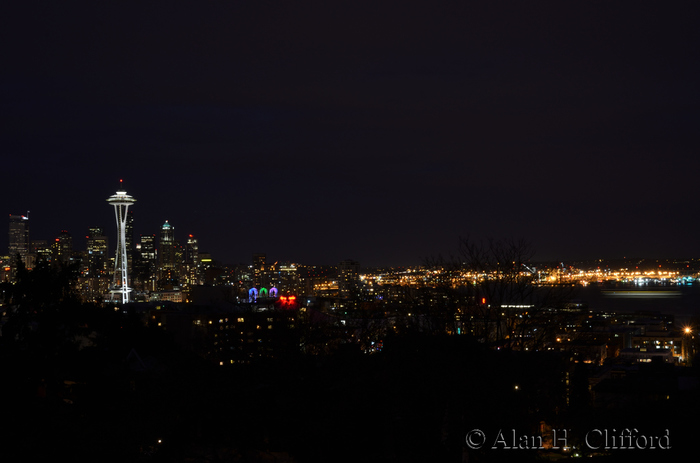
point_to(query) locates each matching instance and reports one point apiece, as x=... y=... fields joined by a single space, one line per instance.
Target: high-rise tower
x=121 y=202
x=168 y=257
x=95 y=268
x=62 y=248
x=19 y=239
x=192 y=262
x=96 y=253
x=147 y=266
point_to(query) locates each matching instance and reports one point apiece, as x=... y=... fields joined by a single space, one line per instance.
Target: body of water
x=683 y=301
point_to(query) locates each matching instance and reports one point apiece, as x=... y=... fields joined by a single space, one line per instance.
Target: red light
x=292 y=298
x=283 y=298
x=483 y=300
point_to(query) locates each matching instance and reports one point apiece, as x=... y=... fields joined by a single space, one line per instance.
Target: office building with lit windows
x=18 y=239
x=259 y=270
x=97 y=253
x=40 y=251
x=349 y=278
x=168 y=262
x=146 y=264
x=191 y=264
x=95 y=276
x=62 y=248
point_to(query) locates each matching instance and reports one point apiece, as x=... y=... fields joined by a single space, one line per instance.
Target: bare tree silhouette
x=494 y=294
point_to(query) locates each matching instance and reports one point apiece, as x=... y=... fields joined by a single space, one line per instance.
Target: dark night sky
x=378 y=131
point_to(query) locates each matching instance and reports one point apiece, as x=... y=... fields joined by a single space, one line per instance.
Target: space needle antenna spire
x=120 y=284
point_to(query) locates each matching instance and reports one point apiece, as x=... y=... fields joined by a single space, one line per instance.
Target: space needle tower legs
x=121 y=202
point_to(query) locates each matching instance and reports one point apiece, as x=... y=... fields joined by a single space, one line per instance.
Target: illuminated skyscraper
x=192 y=262
x=95 y=266
x=97 y=253
x=62 y=248
x=288 y=278
x=168 y=257
x=147 y=263
x=19 y=239
x=148 y=249
x=121 y=202
x=41 y=251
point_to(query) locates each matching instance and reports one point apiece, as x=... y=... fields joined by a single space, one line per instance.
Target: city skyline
x=379 y=133
x=81 y=240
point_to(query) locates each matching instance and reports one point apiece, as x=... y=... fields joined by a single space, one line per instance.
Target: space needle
x=120 y=285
